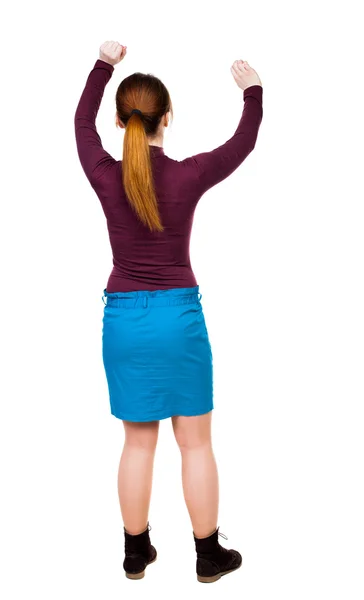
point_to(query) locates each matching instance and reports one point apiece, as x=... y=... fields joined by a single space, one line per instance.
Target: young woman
x=156 y=349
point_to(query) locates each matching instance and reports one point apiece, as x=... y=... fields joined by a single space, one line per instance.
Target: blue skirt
x=157 y=354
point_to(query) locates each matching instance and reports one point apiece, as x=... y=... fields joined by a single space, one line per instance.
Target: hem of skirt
x=161 y=418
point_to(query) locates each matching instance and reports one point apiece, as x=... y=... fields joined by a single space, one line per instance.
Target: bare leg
x=199 y=472
x=136 y=474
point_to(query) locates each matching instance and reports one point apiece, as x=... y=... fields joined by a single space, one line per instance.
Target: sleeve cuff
x=101 y=64
x=255 y=91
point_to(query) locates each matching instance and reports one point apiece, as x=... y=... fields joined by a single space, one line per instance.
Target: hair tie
x=136 y=110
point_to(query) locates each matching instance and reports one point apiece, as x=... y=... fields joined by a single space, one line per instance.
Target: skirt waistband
x=144 y=298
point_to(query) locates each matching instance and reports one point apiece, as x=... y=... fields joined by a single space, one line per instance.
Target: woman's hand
x=244 y=75
x=112 y=52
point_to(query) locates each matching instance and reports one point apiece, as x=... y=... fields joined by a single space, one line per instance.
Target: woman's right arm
x=209 y=168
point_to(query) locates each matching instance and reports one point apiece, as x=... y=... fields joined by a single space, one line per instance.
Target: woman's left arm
x=94 y=159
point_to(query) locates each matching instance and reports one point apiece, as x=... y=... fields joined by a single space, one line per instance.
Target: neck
x=157 y=141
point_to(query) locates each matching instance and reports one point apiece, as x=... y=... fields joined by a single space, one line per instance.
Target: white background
x=278 y=253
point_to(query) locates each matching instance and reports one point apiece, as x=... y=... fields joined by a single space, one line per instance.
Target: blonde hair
x=149 y=95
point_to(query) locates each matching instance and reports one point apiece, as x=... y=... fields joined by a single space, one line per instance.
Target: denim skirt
x=156 y=354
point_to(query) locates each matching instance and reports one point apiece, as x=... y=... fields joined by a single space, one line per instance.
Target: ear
x=166 y=119
x=118 y=123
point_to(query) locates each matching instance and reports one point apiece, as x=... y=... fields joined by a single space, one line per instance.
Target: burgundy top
x=145 y=260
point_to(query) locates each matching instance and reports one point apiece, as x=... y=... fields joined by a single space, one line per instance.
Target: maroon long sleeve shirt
x=145 y=260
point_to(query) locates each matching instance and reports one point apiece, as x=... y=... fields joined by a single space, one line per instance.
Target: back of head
x=147 y=94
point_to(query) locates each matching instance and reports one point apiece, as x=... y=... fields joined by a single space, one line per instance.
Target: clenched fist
x=112 y=52
x=244 y=75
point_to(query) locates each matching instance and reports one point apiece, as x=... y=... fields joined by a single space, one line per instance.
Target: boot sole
x=216 y=577
x=141 y=574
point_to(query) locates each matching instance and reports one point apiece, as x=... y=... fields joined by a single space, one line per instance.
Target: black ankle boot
x=214 y=561
x=139 y=553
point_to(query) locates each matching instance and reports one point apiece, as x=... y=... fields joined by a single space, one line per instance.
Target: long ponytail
x=137 y=174
x=148 y=95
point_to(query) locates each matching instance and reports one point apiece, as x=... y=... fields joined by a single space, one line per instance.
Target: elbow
x=77 y=114
x=252 y=144
x=250 y=148
x=249 y=143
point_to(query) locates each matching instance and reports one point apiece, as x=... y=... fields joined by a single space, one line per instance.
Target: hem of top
x=192 y=289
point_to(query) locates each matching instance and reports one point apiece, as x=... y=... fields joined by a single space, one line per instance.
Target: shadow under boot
x=139 y=553
x=214 y=561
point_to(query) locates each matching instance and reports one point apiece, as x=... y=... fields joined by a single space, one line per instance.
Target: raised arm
x=212 y=167
x=94 y=159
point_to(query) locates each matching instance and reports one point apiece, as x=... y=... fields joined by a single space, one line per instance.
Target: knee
x=192 y=433
x=141 y=436
x=188 y=441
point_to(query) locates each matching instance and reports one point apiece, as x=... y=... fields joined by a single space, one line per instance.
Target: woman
x=156 y=350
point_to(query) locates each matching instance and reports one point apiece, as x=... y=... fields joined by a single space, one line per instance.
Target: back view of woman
x=155 y=344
